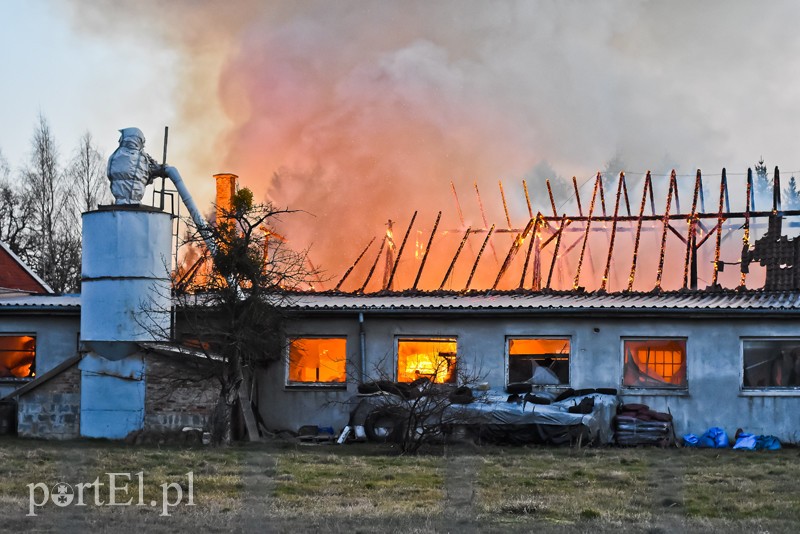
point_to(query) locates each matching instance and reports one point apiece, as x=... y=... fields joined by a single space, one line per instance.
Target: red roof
x=14 y=274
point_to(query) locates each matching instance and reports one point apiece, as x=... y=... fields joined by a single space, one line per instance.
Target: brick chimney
x=226 y=187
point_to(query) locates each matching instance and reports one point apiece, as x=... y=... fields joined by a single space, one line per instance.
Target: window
x=17 y=356
x=771 y=363
x=543 y=361
x=318 y=360
x=655 y=363
x=432 y=358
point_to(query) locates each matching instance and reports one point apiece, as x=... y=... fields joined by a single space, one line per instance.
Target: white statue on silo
x=130 y=168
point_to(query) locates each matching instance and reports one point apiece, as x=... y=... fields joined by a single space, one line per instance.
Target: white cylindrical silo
x=125 y=284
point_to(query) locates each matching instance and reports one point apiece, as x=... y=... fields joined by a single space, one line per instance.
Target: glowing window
x=318 y=360
x=655 y=363
x=771 y=363
x=432 y=358
x=17 y=356
x=543 y=361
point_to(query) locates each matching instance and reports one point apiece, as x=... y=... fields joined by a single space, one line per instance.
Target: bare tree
x=15 y=214
x=87 y=175
x=5 y=170
x=55 y=251
x=233 y=309
x=423 y=411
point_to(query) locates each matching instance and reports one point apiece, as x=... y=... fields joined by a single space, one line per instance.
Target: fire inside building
x=692 y=313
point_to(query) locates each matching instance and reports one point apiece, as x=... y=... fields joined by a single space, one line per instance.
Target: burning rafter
x=546 y=234
x=350 y=270
x=427 y=250
x=746 y=235
x=604 y=283
x=648 y=186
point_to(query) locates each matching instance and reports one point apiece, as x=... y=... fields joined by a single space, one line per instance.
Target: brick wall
x=52 y=410
x=176 y=395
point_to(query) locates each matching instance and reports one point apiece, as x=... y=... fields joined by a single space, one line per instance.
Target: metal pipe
x=362 y=340
x=164 y=163
x=200 y=222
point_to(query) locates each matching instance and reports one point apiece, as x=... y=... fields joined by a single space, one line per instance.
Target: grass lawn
x=288 y=487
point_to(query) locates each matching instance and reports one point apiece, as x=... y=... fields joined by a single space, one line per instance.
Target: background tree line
x=41 y=203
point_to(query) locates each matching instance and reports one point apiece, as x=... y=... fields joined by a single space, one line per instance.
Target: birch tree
x=87 y=175
x=55 y=249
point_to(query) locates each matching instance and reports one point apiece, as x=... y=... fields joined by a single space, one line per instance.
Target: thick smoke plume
x=358 y=112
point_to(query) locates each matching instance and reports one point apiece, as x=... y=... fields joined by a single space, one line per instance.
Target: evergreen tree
x=763 y=186
x=537 y=178
x=791 y=196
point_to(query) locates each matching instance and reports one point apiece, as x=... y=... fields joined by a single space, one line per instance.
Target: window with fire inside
x=317 y=361
x=654 y=363
x=17 y=357
x=423 y=357
x=538 y=360
x=771 y=364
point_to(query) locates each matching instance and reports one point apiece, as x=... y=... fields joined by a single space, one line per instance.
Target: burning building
x=693 y=312
x=682 y=310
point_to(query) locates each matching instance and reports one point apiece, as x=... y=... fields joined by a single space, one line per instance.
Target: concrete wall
x=714 y=396
x=56 y=340
x=290 y=407
x=52 y=410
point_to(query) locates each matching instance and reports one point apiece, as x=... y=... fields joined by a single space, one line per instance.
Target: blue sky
x=78 y=81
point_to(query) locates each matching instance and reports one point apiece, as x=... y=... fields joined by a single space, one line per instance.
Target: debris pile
x=637 y=424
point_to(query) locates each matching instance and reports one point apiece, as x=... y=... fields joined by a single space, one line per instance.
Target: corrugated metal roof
x=41 y=301
x=733 y=301
x=693 y=301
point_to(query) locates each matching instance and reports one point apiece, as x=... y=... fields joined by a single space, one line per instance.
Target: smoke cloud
x=359 y=112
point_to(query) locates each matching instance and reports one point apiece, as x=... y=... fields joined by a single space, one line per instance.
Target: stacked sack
x=637 y=424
